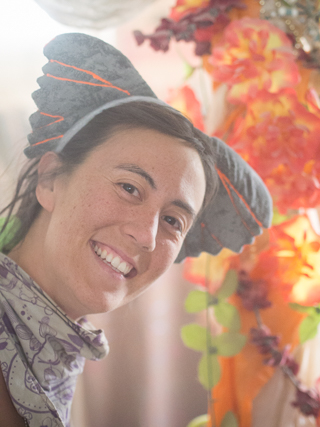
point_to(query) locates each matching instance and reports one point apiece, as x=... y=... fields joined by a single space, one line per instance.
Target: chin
x=103 y=305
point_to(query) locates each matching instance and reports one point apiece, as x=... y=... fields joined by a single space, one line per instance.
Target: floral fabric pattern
x=42 y=351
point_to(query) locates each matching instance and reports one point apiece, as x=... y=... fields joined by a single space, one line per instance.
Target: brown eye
x=129 y=188
x=173 y=222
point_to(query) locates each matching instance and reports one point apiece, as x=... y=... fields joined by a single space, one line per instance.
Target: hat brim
x=240 y=210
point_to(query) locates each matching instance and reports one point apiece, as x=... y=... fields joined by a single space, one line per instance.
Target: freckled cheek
x=101 y=207
x=164 y=257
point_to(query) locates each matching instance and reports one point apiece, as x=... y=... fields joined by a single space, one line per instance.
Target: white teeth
x=122 y=267
x=103 y=254
x=116 y=262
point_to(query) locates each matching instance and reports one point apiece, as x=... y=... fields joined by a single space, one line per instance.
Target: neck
x=27 y=254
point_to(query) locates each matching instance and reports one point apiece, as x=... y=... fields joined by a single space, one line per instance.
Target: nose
x=143 y=230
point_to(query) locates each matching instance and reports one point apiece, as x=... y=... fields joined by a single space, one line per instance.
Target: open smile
x=114 y=260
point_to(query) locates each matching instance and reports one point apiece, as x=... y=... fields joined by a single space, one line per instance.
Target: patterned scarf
x=42 y=351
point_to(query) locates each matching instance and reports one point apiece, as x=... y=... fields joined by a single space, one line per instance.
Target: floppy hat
x=85 y=76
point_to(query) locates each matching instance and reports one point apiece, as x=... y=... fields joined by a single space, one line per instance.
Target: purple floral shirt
x=42 y=351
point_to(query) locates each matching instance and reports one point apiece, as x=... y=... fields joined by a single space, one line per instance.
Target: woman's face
x=117 y=222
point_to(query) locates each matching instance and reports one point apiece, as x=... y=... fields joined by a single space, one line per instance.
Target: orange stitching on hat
x=60 y=119
x=95 y=76
x=225 y=180
x=223 y=177
x=46 y=140
x=212 y=235
x=216 y=239
x=52 y=123
x=87 y=83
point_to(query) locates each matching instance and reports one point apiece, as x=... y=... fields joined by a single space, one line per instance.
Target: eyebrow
x=136 y=169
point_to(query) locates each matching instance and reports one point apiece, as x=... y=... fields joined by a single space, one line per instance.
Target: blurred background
x=149 y=377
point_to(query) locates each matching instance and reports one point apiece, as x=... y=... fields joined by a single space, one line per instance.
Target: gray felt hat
x=85 y=76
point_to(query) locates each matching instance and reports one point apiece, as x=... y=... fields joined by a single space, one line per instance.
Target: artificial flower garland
x=266 y=54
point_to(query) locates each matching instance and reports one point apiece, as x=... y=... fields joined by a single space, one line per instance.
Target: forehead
x=146 y=146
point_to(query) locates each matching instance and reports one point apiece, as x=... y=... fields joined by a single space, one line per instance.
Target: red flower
x=254 y=55
x=279 y=137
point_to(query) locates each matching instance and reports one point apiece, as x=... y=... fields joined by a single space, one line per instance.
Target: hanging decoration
x=94 y=14
x=256 y=311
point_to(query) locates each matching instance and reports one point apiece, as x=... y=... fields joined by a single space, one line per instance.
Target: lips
x=113 y=260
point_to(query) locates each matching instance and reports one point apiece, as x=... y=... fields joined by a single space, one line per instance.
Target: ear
x=45 y=190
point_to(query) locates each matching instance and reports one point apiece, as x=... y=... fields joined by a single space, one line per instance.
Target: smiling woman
x=139 y=190
x=118 y=186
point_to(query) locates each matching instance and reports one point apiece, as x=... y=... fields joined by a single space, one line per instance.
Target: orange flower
x=210 y=271
x=254 y=55
x=185 y=101
x=291 y=263
x=207 y=270
x=183 y=7
x=279 y=137
x=297 y=248
x=287 y=257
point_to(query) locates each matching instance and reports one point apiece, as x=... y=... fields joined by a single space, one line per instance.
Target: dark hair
x=24 y=203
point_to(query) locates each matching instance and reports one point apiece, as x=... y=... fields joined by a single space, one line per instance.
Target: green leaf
x=7 y=237
x=279 y=218
x=200 y=421
x=229 y=420
x=229 y=285
x=196 y=301
x=194 y=336
x=229 y=343
x=308 y=328
x=227 y=315
x=188 y=70
x=209 y=371
x=301 y=308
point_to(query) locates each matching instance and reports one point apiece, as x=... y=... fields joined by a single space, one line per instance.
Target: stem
x=290 y=375
x=208 y=342
x=284 y=369
x=258 y=317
